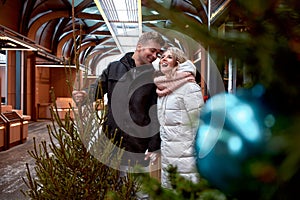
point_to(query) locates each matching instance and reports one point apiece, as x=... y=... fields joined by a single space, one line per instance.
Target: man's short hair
x=152 y=35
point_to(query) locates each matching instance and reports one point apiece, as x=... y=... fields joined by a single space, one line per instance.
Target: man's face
x=149 y=52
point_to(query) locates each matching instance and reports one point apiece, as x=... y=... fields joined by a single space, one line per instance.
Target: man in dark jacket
x=131 y=100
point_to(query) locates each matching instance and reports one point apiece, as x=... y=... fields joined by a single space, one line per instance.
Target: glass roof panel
x=125 y=28
x=91 y=22
x=76 y=2
x=117 y=10
x=103 y=28
x=91 y=10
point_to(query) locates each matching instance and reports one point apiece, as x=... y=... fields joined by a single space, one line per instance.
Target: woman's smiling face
x=167 y=62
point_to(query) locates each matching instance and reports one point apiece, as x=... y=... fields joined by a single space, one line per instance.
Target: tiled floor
x=13 y=162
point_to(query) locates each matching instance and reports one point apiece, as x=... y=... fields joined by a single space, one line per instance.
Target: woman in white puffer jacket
x=179 y=104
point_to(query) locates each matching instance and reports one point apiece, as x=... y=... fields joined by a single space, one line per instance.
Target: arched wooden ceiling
x=49 y=24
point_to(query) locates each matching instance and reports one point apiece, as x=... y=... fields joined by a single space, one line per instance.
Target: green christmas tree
x=79 y=162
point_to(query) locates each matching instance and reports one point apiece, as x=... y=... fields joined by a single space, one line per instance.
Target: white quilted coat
x=178 y=114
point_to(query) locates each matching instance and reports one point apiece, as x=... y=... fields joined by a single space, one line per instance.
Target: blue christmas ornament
x=232 y=131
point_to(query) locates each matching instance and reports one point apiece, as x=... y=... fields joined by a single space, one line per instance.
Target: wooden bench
x=64 y=105
x=13 y=129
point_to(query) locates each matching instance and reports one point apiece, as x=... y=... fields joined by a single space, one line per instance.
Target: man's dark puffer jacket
x=132 y=110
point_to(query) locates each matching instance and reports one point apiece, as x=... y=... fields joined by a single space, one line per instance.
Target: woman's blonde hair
x=178 y=54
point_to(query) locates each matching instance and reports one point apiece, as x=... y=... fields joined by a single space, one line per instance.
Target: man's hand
x=79 y=96
x=152 y=156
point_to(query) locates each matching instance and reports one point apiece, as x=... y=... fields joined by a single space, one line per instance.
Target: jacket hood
x=187 y=66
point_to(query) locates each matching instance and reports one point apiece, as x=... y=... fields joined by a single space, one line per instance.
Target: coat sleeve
x=154 y=143
x=155 y=140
